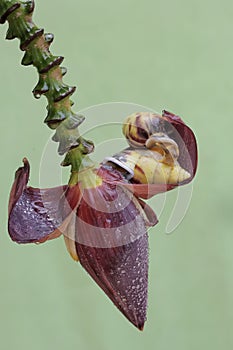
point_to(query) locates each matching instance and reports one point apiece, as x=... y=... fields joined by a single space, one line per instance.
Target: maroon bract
x=36 y=215
x=186 y=141
x=112 y=242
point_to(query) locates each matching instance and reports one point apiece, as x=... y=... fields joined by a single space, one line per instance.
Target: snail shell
x=152 y=131
x=139 y=127
x=148 y=167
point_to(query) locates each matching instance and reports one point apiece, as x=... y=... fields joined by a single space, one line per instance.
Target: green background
x=162 y=54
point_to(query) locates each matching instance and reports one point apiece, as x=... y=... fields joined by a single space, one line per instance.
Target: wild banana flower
x=101 y=214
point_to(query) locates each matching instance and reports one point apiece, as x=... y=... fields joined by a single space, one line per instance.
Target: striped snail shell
x=152 y=131
x=148 y=167
x=139 y=127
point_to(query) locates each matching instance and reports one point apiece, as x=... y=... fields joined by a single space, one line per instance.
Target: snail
x=138 y=128
x=153 y=155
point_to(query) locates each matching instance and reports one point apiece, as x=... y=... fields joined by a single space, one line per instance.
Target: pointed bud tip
x=141 y=327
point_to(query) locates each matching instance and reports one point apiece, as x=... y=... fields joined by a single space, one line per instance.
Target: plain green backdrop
x=175 y=55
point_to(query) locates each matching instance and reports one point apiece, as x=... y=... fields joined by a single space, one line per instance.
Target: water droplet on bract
x=107 y=223
x=39 y=207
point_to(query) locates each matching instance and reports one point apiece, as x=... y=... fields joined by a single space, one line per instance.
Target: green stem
x=36 y=46
x=78 y=159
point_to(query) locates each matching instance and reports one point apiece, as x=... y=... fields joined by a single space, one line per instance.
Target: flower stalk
x=36 y=45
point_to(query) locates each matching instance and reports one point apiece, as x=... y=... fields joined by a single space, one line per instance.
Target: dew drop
x=39 y=208
x=37 y=95
x=107 y=223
